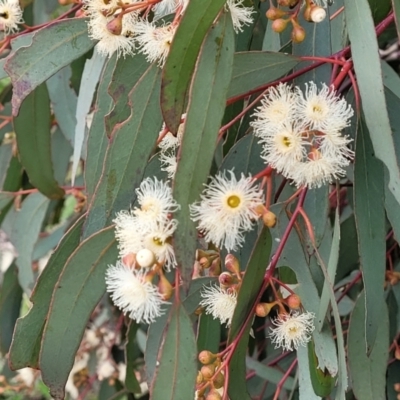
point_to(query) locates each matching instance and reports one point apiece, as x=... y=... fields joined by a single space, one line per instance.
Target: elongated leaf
x=396 y=8
x=306 y=390
x=178 y=69
x=370 y=222
x=256 y=68
x=5 y=159
x=131 y=382
x=25 y=347
x=208 y=333
x=65 y=40
x=23 y=228
x=205 y=111
x=127 y=153
x=176 y=374
x=97 y=138
x=77 y=291
x=367 y=65
x=252 y=281
x=10 y=304
x=32 y=127
x=368 y=373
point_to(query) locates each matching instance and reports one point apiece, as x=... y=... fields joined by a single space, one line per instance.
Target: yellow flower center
x=4 y=15
x=233 y=201
x=317 y=109
x=286 y=141
x=157 y=241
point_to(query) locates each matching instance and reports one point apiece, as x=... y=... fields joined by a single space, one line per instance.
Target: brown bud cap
x=263 y=309
x=293 y=301
x=219 y=380
x=279 y=25
x=298 y=34
x=199 y=378
x=207 y=371
x=206 y=357
x=205 y=262
x=164 y=287
x=317 y=14
x=232 y=264
x=213 y=395
x=225 y=279
x=115 y=26
x=269 y=219
x=274 y=13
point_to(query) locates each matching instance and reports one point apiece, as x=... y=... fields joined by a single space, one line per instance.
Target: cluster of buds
x=293 y=302
x=392 y=277
x=281 y=18
x=268 y=217
x=210 y=379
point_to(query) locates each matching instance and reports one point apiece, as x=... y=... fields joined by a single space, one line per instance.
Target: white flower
x=166 y=7
x=169 y=141
x=154 y=41
x=155 y=200
x=219 y=303
x=10 y=16
x=105 y=7
x=292 y=330
x=277 y=107
x=128 y=233
x=227 y=209
x=122 y=42
x=241 y=15
x=169 y=163
x=322 y=109
x=133 y=294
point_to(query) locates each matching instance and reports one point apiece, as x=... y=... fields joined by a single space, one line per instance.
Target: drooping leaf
x=77 y=291
x=196 y=21
x=204 y=115
x=25 y=347
x=370 y=223
x=66 y=40
x=127 y=153
x=175 y=376
x=32 y=127
x=131 y=382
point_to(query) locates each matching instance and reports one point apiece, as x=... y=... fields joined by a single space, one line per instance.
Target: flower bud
x=298 y=33
x=293 y=301
x=225 y=279
x=232 y=264
x=115 y=26
x=213 y=395
x=215 y=269
x=206 y=357
x=129 y=260
x=199 y=378
x=145 y=258
x=317 y=14
x=279 y=25
x=269 y=219
x=263 y=309
x=274 y=13
x=207 y=371
x=164 y=287
x=219 y=380
x=204 y=262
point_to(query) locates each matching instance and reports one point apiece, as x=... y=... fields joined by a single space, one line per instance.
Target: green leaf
x=5 y=159
x=365 y=54
x=368 y=373
x=175 y=377
x=10 y=305
x=256 y=68
x=32 y=127
x=396 y=9
x=251 y=284
x=23 y=228
x=25 y=347
x=204 y=115
x=338 y=27
x=97 y=138
x=178 y=70
x=77 y=292
x=131 y=382
x=380 y=9
x=370 y=222
x=65 y=41
x=127 y=153
x=208 y=333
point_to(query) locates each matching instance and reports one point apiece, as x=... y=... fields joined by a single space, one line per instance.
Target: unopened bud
x=129 y=260
x=274 y=13
x=206 y=357
x=115 y=26
x=205 y=262
x=225 y=279
x=164 y=287
x=396 y=387
x=145 y=258
x=199 y=378
x=263 y=309
x=232 y=264
x=293 y=301
x=207 y=371
x=219 y=380
x=215 y=268
x=279 y=25
x=298 y=33
x=317 y=14
x=269 y=219
x=213 y=395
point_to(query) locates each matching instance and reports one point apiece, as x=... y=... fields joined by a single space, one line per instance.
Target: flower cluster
x=121 y=27
x=10 y=16
x=144 y=235
x=301 y=133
